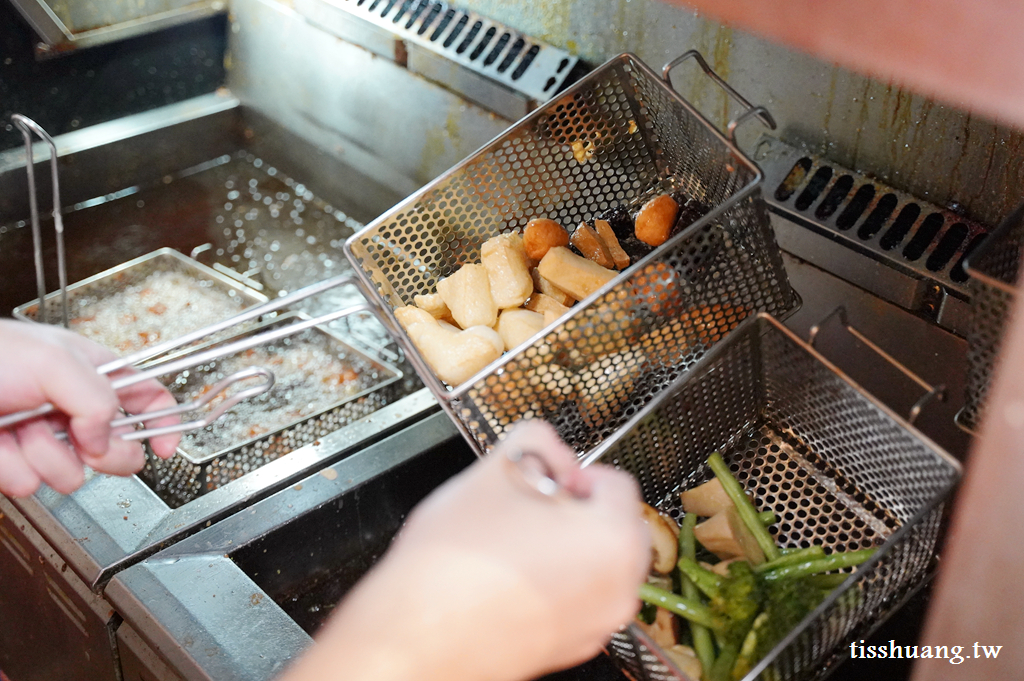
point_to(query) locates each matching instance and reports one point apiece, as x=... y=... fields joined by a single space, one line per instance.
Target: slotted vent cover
x=897 y=228
x=487 y=47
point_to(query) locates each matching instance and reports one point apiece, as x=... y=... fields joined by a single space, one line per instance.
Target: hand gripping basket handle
x=752 y=111
x=190 y=360
x=932 y=392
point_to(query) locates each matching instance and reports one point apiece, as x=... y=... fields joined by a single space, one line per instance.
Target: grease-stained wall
x=380 y=119
x=371 y=109
x=938 y=152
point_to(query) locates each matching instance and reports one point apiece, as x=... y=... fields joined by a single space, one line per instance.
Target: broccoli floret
x=787 y=603
x=739 y=601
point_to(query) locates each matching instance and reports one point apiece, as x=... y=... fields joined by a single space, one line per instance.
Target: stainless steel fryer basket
x=993 y=270
x=837 y=467
x=190 y=474
x=619 y=133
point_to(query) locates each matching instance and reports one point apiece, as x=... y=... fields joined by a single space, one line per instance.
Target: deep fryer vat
x=608 y=141
x=836 y=467
x=993 y=269
x=192 y=473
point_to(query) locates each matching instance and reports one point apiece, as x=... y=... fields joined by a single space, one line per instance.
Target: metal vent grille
x=487 y=47
x=914 y=236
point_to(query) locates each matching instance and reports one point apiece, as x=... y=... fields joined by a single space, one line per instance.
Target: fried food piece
x=576 y=276
x=664 y=539
x=726 y=536
x=541 y=235
x=658 y=286
x=587 y=242
x=655 y=220
x=662 y=630
x=547 y=288
x=619 y=257
x=467 y=293
x=516 y=326
x=504 y=258
x=435 y=305
x=453 y=355
x=707 y=499
x=544 y=304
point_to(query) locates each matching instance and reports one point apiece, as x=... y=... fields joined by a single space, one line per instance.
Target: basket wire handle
x=216 y=389
x=932 y=392
x=761 y=113
x=203 y=357
x=27 y=127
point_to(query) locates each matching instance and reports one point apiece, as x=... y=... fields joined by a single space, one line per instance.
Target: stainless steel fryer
x=647 y=325
x=838 y=468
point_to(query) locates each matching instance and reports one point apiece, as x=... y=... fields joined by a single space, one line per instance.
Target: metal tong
x=183 y=361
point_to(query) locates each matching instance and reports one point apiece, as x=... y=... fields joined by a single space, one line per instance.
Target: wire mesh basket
x=614 y=351
x=993 y=269
x=165 y=293
x=836 y=467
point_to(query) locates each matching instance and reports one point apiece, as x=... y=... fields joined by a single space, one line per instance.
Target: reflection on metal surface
x=67 y=25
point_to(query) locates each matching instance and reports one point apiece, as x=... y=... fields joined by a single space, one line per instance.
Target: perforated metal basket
x=993 y=269
x=191 y=473
x=617 y=135
x=837 y=467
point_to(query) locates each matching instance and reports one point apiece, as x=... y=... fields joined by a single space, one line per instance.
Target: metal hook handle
x=215 y=390
x=27 y=127
x=221 y=409
x=752 y=111
x=191 y=360
x=243 y=278
x=936 y=392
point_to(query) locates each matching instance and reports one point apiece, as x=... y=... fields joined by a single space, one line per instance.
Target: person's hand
x=491 y=580
x=40 y=364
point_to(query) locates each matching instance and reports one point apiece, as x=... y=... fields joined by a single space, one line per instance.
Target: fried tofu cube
x=504 y=258
x=576 y=276
x=467 y=293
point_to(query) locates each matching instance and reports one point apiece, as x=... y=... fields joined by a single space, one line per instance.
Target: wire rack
x=836 y=467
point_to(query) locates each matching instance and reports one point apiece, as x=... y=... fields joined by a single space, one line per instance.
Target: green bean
x=797 y=556
x=690 y=609
x=707 y=581
x=836 y=561
x=702 y=643
x=748 y=514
